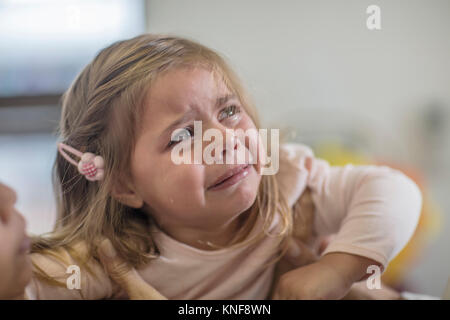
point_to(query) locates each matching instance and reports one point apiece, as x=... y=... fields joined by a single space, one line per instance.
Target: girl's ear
x=127 y=195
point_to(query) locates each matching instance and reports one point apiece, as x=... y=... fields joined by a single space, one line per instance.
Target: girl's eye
x=181 y=134
x=229 y=112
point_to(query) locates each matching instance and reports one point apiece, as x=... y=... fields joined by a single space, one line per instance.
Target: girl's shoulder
x=295 y=154
x=292 y=175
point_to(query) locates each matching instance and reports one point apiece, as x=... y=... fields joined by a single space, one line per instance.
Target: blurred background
x=313 y=69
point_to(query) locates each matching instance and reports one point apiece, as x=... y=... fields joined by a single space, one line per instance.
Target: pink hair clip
x=90 y=165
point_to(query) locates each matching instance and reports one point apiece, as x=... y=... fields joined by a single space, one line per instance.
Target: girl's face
x=15 y=265
x=183 y=195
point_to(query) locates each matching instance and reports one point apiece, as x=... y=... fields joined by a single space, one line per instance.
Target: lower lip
x=25 y=246
x=233 y=180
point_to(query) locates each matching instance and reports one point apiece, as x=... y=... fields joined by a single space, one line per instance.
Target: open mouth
x=231 y=177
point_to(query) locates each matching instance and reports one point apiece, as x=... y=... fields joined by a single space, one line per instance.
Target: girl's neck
x=208 y=239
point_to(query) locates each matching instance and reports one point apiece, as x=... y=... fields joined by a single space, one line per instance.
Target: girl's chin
x=248 y=190
x=239 y=201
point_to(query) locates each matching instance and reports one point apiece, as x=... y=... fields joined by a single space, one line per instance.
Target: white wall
x=305 y=59
x=314 y=66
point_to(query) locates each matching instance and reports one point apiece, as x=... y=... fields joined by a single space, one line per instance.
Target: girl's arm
x=372 y=210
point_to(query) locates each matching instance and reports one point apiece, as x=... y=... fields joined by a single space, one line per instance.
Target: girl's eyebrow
x=189 y=114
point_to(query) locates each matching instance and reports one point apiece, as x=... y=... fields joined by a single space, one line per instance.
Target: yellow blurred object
x=430 y=218
x=337 y=155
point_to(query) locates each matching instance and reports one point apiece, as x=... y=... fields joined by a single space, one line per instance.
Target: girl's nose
x=231 y=144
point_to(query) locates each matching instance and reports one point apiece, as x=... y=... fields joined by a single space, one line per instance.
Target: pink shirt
x=371 y=210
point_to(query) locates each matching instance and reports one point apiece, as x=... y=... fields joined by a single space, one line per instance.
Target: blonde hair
x=113 y=86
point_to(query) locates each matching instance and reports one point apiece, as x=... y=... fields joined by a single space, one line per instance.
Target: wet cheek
x=185 y=183
x=187 y=179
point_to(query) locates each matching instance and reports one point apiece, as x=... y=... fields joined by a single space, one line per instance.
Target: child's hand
x=329 y=278
x=126 y=276
x=316 y=281
x=15 y=265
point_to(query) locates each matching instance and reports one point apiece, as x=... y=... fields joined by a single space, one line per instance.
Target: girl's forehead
x=180 y=90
